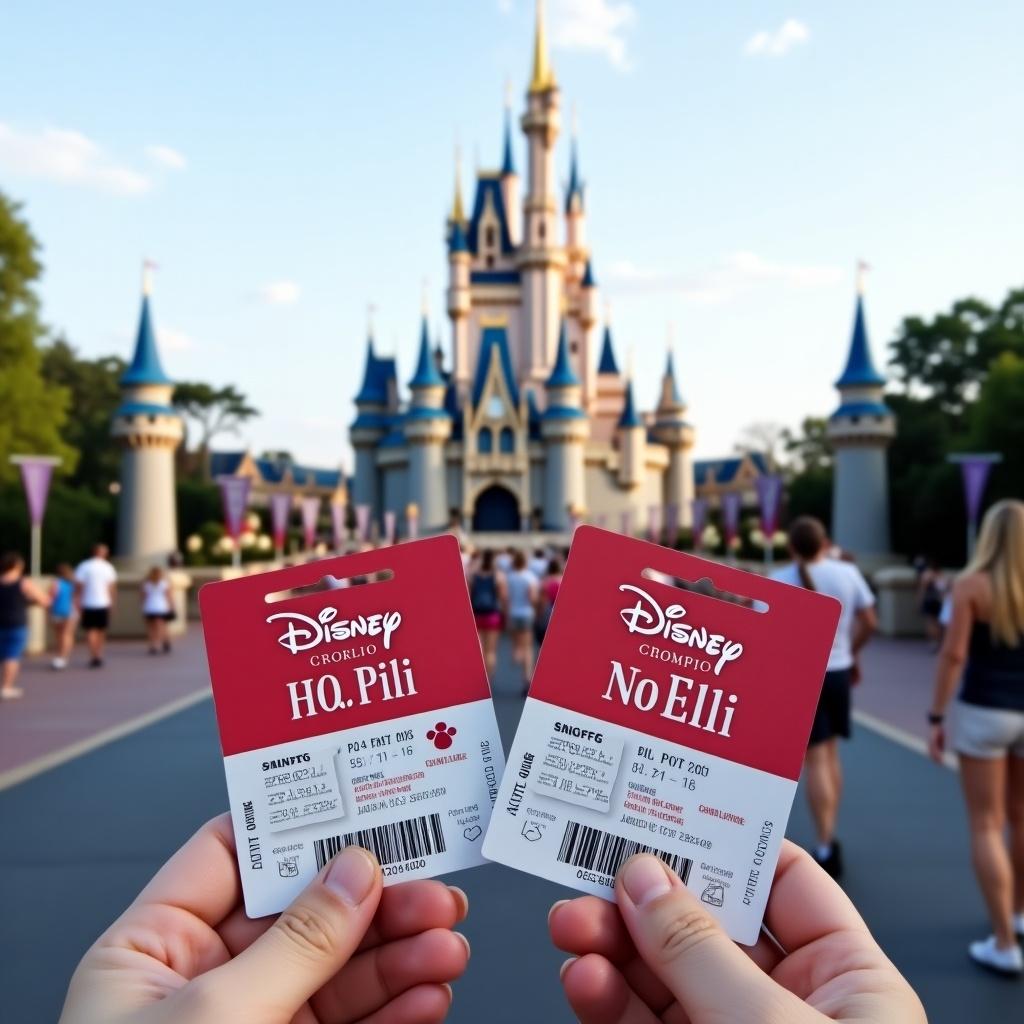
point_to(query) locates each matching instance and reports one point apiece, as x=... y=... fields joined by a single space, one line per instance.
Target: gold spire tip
x=458 y=214
x=543 y=77
x=148 y=266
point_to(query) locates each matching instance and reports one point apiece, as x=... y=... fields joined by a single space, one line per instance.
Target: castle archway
x=496 y=510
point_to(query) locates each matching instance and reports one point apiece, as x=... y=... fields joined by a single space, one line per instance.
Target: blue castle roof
x=563 y=375
x=489 y=186
x=629 y=417
x=145 y=367
x=457 y=241
x=574 y=192
x=427 y=374
x=670 y=373
x=588 y=276
x=494 y=345
x=607 y=363
x=379 y=372
x=860 y=370
x=723 y=471
x=507 y=163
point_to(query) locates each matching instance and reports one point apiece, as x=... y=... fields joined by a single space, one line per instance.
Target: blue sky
x=287 y=164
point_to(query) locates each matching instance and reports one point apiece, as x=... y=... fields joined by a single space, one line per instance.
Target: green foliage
x=33 y=410
x=75 y=520
x=810 y=494
x=996 y=424
x=198 y=503
x=809 y=450
x=94 y=387
x=214 y=411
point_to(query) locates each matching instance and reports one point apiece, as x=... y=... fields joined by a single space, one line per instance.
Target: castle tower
x=564 y=430
x=575 y=214
x=509 y=178
x=428 y=426
x=860 y=430
x=541 y=260
x=672 y=430
x=459 y=299
x=369 y=427
x=586 y=331
x=632 y=442
x=149 y=430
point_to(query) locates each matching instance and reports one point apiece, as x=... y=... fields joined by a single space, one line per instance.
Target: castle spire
x=427 y=374
x=629 y=417
x=563 y=375
x=574 y=192
x=458 y=214
x=145 y=367
x=607 y=363
x=671 y=398
x=860 y=367
x=542 y=77
x=508 y=165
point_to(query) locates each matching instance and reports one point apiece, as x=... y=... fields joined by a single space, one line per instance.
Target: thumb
x=710 y=976
x=307 y=945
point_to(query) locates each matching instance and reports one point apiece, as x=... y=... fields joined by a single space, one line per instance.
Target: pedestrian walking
x=549 y=584
x=17 y=592
x=932 y=587
x=539 y=562
x=62 y=614
x=96 y=581
x=983 y=651
x=487 y=595
x=157 y=609
x=521 y=610
x=814 y=569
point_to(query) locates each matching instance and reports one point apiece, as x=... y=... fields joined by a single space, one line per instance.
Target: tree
x=997 y=423
x=32 y=411
x=763 y=438
x=94 y=387
x=213 y=410
x=809 y=450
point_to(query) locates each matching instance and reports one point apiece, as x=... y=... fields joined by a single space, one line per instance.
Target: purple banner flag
x=363 y=522
x=732 y=502
x=699 y=521
x=769 y=495
x=280 y=509
x=671 y=524
x=975 y=475
x=36 y=474
x=338 y=510
x=234 y=493
x=389 y=527
x=412 y=521
x=310 y=514
x=654 y=522
x=627 y=522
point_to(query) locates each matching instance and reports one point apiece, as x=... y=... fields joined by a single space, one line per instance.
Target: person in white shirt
x=813 y=569
x=539 y=563
x=157 y=609
x=96 y=590
x=521 y=590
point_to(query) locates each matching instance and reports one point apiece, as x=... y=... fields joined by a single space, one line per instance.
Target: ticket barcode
x=390 y=844
x=604 y=852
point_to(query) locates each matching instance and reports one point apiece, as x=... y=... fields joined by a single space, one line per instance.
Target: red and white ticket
x=358 y=714
x=665 y=720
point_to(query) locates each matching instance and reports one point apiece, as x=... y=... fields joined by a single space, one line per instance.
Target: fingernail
x=461 y=900
x=565 y=966
x=448 y=989
x=465 y=942
x=351 y=875
x=644 y=879
x=554 y=907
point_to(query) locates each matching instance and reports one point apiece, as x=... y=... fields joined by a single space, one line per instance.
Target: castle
x=534 y=425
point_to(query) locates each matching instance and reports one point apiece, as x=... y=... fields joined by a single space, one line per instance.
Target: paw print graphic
x=442 y=735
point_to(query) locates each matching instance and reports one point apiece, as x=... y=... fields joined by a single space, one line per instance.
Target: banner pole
x=36 y=559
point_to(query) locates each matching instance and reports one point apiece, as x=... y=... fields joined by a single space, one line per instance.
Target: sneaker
x=58 y=664
x=96 y=663
x=1018 y=925
x=987 y=954
x=833 y=863
x=167 y=647
x=11 y=693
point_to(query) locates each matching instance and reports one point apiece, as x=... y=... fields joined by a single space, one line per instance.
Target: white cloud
x=594 y=26
x=67 y=157
x=775 y=43
x=280 y=293
x=734 y=274
x=166 y=157
x=171 y=339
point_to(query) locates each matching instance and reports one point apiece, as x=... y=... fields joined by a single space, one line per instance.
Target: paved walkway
x=81 y=839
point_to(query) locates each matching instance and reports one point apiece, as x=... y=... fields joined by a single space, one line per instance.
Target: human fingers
x=424 y=1004
x=303 y=949
x=684 y=946
x=599 y=994
x=405 y=909
x=372 y=979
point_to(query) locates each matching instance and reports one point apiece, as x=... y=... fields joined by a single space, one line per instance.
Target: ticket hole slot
x=706 y=588
x=330 y=583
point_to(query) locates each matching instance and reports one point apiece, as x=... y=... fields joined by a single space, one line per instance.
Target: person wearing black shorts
x=96 y=588
x=813 y=569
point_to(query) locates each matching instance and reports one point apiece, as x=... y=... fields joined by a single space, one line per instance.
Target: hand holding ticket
x=664 y=720
x=356 y=715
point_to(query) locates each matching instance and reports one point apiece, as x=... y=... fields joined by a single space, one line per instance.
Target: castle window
x=855 y=419
x=574 y=347
x=489 y=236
x=506 y=441
x=485 y=441
x=489 y=261
x=495 y=407
x=541 y=231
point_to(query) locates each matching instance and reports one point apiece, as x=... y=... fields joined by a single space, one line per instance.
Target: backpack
x=483 y=595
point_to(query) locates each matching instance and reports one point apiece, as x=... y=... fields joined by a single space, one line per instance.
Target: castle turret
x=540 y=258
x=586 y=318
x=370 y=426
x=632 y=442
x=610 y=389
x=149 y=429
x=509 y=178
x=427 y=427
x=459 y=301
x=575 y=214
x=564 y=430
x=860 y=431
x=672 y=430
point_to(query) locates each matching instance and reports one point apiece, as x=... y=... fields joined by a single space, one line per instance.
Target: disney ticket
x=676 y=726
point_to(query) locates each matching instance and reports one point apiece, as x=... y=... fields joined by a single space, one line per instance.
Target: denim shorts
x=12 y=642
x=986 y=732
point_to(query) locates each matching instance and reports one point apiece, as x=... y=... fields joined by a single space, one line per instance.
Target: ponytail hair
x=807 y=537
